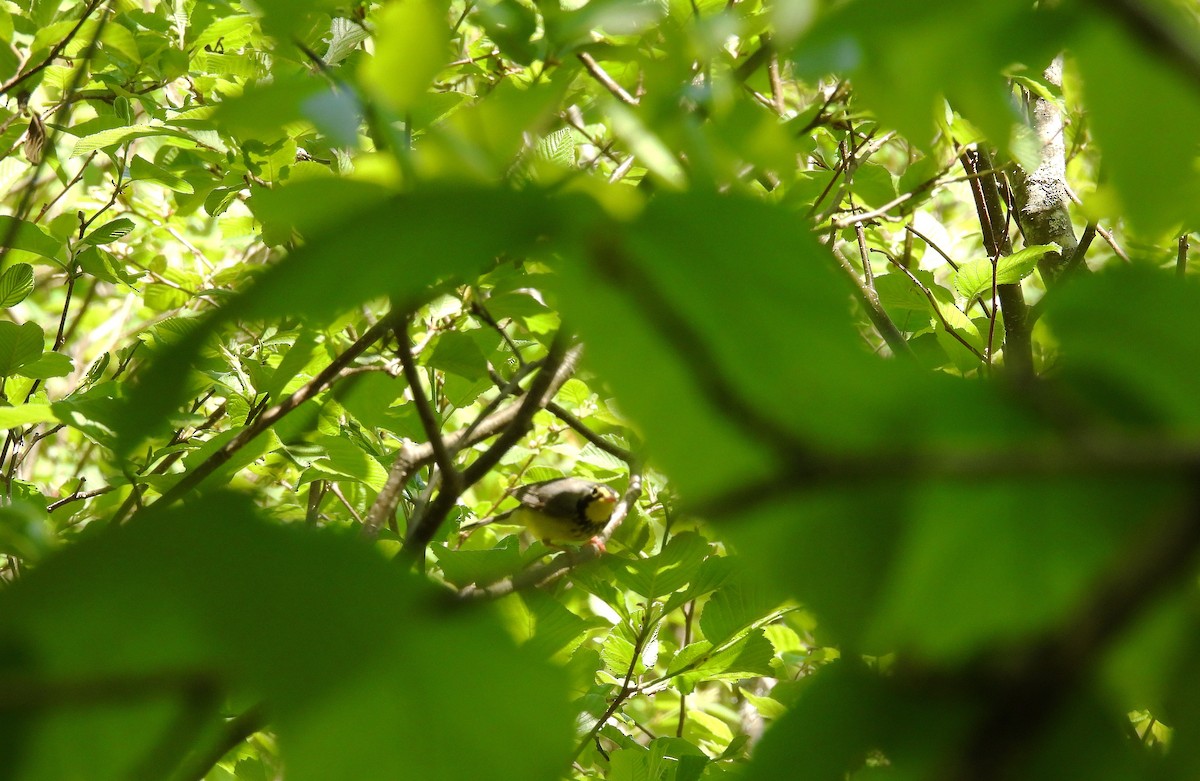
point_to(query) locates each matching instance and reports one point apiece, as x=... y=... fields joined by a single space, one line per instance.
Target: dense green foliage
x=877 y=313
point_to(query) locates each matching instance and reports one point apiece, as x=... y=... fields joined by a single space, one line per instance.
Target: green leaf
x=975 y=278
x=313 y=207
x=48 y=365
x=19 y=345
x=15 y=284
x=263 y=110
x=480 y=567
x=371 y=402
x=1156 y=183
x=458 y=353
x=748 y=657
x=298 y=356
x=267 y=442
x=390 y=245
x=344 y=38
x=285 y=19
x=831 y=550
x=1138 y=368
x=1022 y=564
x=646 y=146
x=411 y=46
x=234 y=30
x=666 y=572
x=103 y=265
x=649 y=289
x=109 y=232
x=343 y=458
x=665 y=758
x=510 y=25
x=143 y=600
x=906 y=58
x=848 y=712
x=92 y=412
x=29 y=237
x=551 y=626
x=733 y=608
x=26 y=414
x=142 y=170
x=120 y=135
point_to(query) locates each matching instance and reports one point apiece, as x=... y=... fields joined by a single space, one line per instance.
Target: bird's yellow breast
x=548 y=529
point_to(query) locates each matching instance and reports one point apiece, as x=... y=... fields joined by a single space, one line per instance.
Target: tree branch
x=871 y=304
x=591 y=436
x=88 y=10
x=1041 y=194
x=557 y=368
x=1026 y=688
x=937 y=310
x=441 y=454
x=236 y=731
x=274 y=414
x=413 y=456
x=601 y=75
x=1018 y=335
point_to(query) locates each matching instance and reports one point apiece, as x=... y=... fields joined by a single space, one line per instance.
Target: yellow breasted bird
x=566 y=509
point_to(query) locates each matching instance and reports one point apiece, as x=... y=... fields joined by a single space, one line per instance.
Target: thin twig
x=54 y=52
x=627 y=690
x=83 y=169
x=936 y=309
x=413 y=456
x=441 y=454
x=591 y=436
x=1101 y=231
x=559 y=364
x=861 y=217
x=871 y=304
x=600 y=75
x=935 y=247
x=273 y=415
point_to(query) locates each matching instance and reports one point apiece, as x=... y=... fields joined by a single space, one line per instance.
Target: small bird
x=566 y=509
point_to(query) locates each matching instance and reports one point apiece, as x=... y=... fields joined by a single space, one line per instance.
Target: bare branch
x=869 y=299
x=591 y=436
x=441 y=455
x=1018 y=344
x=269 y=418
x=557 y=368
x=88 y=10
x=937 y=310
x=600 y=75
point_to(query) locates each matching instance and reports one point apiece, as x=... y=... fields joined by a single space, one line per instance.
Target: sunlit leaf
x=411 y=47
x=975 y=278
x=15 y=284
x=20 y=345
